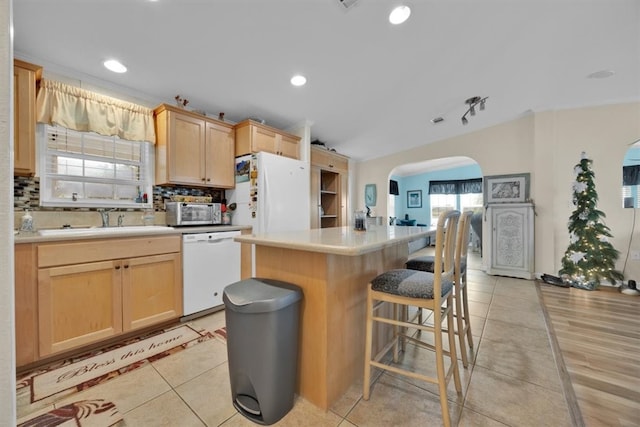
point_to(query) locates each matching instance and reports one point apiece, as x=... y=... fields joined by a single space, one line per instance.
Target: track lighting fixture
x=472 y=103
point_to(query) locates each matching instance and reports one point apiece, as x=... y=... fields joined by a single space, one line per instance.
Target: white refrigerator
x=271 y=194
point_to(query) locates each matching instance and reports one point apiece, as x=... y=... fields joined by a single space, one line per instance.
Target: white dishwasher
x=210 y=261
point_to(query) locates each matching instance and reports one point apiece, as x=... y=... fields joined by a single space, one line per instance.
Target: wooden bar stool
x=431 y=291
x=426 y=263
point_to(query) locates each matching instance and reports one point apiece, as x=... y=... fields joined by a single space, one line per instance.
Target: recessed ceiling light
x=602 y=74
x=115 y=66
x=399 y=15
x=298 y=80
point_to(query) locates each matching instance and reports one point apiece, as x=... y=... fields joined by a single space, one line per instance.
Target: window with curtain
x=461 y=194
x=94 y=150
x=78 y=109
x=84 y=169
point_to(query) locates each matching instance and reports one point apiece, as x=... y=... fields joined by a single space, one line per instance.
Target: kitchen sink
x=97 y=231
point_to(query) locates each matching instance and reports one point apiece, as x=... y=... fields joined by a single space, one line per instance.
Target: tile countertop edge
x=351 y=242
x=34 y=237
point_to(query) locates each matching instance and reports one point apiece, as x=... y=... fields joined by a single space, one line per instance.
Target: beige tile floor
x=511 y=380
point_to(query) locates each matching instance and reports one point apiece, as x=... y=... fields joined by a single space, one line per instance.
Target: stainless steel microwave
x=187 y=213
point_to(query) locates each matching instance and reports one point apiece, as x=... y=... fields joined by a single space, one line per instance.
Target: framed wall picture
x=506 y=188
x=414 y=198
x=370 y=195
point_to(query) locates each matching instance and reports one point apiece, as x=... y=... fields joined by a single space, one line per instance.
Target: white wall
x=7 y=342
x=548 y=146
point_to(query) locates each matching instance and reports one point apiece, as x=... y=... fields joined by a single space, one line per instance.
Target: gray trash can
x=262 y=317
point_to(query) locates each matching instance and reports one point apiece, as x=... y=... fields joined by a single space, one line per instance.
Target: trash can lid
x=258 y=295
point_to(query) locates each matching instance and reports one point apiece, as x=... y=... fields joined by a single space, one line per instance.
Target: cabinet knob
x=126 y=266
x=330 y=165
x=117 y=267
x=208 y=179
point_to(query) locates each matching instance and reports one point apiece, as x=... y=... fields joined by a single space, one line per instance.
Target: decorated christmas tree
x=590 y=256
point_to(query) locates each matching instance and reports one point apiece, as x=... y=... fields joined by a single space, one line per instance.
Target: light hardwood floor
x=598 y=335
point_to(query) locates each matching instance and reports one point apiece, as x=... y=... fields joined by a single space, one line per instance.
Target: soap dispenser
x=27 y=222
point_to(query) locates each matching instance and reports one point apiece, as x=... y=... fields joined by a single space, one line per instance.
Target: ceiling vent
x=347 y=3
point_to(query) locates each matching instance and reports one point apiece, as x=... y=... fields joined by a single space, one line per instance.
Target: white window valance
x=78 y=109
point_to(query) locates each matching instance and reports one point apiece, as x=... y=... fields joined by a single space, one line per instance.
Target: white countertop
x=339 y=240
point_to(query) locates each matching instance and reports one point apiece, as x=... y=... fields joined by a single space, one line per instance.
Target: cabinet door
x=78 y=305
x=511 y=241
x=24 y=120
x=289 y=146
x=186 y=156
x=220 y=156
x=329 y=160
x=263 y=140
x=151 y=290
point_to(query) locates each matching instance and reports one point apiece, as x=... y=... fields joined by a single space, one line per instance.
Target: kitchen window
x=85 y=169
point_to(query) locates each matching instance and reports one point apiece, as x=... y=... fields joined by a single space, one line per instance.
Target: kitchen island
x=333 y=267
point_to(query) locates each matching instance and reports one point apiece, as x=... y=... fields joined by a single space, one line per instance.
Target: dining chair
x=403 y=288
x=461 y=314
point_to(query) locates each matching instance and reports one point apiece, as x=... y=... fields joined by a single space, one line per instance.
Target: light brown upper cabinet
x=192 y=149
x=252 y=137
x=329 y=160
x=25 y=79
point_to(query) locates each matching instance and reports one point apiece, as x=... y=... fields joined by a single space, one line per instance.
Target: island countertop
x=339 y=240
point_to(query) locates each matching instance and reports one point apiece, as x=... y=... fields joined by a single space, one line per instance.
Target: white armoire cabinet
x=511 y=250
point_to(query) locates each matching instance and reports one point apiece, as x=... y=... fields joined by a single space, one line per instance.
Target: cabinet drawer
x=76 y=252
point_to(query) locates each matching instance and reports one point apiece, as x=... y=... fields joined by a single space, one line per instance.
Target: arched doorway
x=423 y=189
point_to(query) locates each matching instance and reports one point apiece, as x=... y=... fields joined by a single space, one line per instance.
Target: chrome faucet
x=104 y=214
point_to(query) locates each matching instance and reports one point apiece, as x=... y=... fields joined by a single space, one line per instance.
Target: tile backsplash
x=26 y=192
x=26 y=195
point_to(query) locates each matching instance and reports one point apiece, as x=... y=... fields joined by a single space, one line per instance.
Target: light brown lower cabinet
x=124 y=285
x=149 y=291
x=78 y=305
